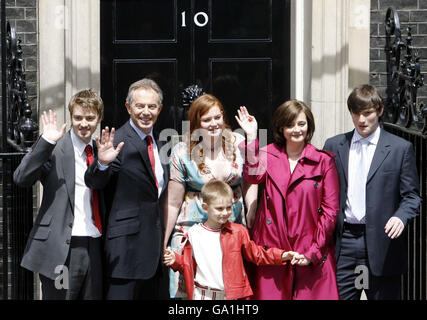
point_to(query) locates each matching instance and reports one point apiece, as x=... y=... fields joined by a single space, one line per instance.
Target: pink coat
x=296 y=212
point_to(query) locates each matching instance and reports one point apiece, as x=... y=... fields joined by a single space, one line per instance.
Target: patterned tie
x=94 y=198
x=358 y=207
x=151 y=156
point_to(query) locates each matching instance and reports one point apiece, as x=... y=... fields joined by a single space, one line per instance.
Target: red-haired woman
x=209 y=152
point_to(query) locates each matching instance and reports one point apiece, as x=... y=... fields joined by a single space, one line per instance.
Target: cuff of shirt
x=102 y=167
x=50 y=141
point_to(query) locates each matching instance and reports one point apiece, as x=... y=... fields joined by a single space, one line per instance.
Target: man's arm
x=35 y=164
x=100 y=171
x=409 y=191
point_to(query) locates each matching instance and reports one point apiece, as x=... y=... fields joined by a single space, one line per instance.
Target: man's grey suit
x=392 y=189
x=49 y=241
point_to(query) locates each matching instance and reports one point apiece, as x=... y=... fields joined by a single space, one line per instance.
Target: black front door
x=237 y=50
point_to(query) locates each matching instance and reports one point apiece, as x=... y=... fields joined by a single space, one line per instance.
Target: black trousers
x=81 y=276
x=353 y=271
x=155 y=288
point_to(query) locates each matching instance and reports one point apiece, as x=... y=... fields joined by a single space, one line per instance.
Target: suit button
x=70 y=225
x=68 y=241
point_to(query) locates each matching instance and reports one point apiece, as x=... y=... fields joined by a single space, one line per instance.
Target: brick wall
x=22 y=15
x=411 y=13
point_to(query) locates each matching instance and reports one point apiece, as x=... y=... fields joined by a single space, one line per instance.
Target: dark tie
x=151 y=156
x=94 y=198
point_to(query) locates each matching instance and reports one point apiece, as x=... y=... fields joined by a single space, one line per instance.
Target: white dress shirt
x=83 y=222
x=372 y=141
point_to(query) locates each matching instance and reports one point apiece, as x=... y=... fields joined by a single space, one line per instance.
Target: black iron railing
x=17 y=135
x=406 y=117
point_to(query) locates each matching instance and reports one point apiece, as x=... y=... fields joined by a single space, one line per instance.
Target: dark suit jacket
x=134 y=233
x=49 y=240
x=392 y=189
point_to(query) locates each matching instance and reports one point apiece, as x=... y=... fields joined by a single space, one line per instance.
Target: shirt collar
x=140 y=133
x=78 y=143
x=372 y=138
x=226 y=226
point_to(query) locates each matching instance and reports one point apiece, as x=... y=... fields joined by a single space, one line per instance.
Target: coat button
x=70 y=225
x=316 y=185
x=268 y=198
x=268 y=221
x=265 y=247
x=68 y=241
x=320 y=210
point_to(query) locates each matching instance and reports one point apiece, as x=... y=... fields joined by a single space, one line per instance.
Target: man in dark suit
x=379 y=195
x=64 y=245
x=134 y=183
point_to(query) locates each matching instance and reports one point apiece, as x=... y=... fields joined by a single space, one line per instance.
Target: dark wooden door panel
x=238 y=50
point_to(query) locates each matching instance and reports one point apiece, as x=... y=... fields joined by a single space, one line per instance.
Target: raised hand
x=168 y=257
x=50 y=129
x=106 y=151
x=247 y=122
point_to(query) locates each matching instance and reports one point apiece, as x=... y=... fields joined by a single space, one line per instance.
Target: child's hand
x=300 y=259
x=288 y=255
x=168 y=257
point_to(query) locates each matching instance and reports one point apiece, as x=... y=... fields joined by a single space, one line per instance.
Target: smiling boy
x=212 y=258
x=64 y=246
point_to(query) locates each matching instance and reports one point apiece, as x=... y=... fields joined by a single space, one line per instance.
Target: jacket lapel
x=307 y=166
x=381 y=152
x=343 y=153
x=278 y=168
x=141 y=146
x=69 y=167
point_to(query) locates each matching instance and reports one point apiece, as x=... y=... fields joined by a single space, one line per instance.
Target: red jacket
x=236 y=246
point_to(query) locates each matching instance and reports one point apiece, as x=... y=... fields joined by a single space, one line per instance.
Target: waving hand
x=50 y=129
x=247 y=122
x=106 y=151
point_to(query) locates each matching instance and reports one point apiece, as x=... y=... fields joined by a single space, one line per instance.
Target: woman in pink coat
x=298 y=207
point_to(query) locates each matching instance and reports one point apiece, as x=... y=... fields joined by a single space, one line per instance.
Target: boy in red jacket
x=212 y=257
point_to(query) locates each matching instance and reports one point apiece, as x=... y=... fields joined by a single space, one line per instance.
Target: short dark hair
x=285 y=115
x=364 y=97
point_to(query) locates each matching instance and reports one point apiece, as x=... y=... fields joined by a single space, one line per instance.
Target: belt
x=354 y=228
x=206 y=288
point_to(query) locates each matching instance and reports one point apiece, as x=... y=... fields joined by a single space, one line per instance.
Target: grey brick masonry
x=411 y=13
